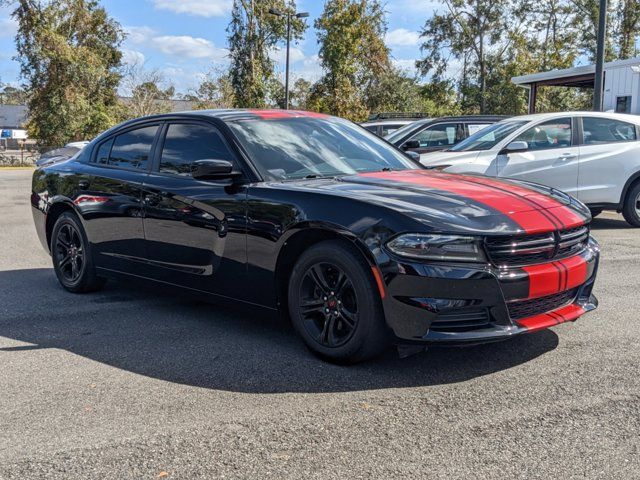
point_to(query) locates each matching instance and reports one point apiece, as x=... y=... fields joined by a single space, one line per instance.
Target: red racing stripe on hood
x=531 y=218
x=550 y=278
x=563 y=215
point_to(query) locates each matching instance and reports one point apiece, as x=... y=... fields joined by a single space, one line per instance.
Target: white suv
x=591 y=155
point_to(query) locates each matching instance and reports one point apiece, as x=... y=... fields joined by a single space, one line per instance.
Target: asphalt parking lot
x=131 y=383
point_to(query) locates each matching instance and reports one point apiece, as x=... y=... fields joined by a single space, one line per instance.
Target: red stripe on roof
x=276 y=114
x=530 y=218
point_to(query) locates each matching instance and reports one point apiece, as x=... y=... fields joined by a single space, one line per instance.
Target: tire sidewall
x=370 y=314
x=87 y=266
x=629 y=211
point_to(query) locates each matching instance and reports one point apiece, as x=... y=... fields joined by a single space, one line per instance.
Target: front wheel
x=631 y=208
x=71 y=256
x=335 y=304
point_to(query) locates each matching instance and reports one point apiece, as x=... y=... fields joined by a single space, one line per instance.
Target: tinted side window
x=132 y=149
x=440 y=135
x=476 y=127
x=186 y=143
x=551 y=134
x=102 y=156
x=604 y=130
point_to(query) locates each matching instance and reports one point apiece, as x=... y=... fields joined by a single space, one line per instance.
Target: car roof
x=625 y=117
x=392 y=121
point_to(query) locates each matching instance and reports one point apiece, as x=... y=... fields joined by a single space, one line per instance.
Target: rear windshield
x=308 y=147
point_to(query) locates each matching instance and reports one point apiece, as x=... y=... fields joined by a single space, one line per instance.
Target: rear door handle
x=567 y=156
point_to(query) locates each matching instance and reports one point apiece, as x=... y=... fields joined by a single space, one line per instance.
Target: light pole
x=274 y=11
x=600 y=45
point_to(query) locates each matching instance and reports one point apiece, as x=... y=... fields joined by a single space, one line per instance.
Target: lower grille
x=460 y=321
x=529 y=308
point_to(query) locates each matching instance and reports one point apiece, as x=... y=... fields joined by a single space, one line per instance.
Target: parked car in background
x=590 y=155
x=61 y=154
x=316 y=217
x=434 y=134
x=382 y=124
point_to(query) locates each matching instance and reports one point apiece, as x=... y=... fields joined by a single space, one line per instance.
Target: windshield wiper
x=312 y=175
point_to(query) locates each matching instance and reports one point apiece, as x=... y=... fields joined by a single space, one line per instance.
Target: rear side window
x=133 y=148
x=605 y=130
x=185 y=144
x=102 y=157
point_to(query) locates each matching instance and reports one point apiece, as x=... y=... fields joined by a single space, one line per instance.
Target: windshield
x=488 y=137
x=305 y=147
x=401 y=132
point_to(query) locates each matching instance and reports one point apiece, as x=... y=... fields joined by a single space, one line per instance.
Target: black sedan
x=314 y=216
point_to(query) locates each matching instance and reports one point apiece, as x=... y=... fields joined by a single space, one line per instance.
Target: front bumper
x=466 y=304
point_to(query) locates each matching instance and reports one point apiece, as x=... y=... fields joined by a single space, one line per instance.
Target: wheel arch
x=300 y=239
x=55 y=210
x=633 y=179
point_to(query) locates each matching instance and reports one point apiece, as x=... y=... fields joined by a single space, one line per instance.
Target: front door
x=551 y=158
x=195 y=231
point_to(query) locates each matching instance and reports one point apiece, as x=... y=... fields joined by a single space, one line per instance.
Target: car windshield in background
x=304 y=147
x=488 y=137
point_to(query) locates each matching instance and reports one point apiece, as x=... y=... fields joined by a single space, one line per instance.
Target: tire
x=595 y=212
x=335 y=305
x=71 y=254
x=631 y=208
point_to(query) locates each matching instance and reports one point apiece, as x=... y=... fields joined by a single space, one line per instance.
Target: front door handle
x=83 y=184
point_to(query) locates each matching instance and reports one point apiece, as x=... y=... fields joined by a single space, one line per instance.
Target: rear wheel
x=71 y=256
x=631 y=209
x=335 y=304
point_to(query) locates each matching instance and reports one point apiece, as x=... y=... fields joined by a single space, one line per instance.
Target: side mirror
x=415 y=156
x=517 y=146
x=213 y=170
x=410 y=144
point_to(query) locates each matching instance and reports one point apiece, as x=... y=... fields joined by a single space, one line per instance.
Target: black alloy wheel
x=328 y=304
x=335 y=304
x=71 y=255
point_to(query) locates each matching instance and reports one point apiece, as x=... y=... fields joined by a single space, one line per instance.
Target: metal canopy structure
x=577 y=77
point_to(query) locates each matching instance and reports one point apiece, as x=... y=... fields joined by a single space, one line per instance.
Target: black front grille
x=461 y=320
x=528 y=308
x=530 y=249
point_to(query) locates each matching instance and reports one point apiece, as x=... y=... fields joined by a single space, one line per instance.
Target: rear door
x=194 y=230
x=609 y=155
x=111 y=194
x=551 y=159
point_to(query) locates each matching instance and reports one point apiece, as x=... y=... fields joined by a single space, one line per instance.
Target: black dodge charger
x=316 y=217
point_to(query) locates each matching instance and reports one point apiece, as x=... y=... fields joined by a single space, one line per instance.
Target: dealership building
x=621 y=84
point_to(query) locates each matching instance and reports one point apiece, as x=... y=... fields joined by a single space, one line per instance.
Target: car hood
x=458 y=203
x=435 y=159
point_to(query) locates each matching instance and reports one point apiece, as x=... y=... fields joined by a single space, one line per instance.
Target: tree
x=299 y=95
x=146 y=92
x=353 y=56
x=628 y=20
x=473 y=32
x=10 y=95
x=253 y=33
x=215 y=91
x=69 y=58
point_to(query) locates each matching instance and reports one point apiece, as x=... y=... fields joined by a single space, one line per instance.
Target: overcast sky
x=184 y=38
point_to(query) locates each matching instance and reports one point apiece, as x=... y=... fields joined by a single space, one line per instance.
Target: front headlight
x=438 y=247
